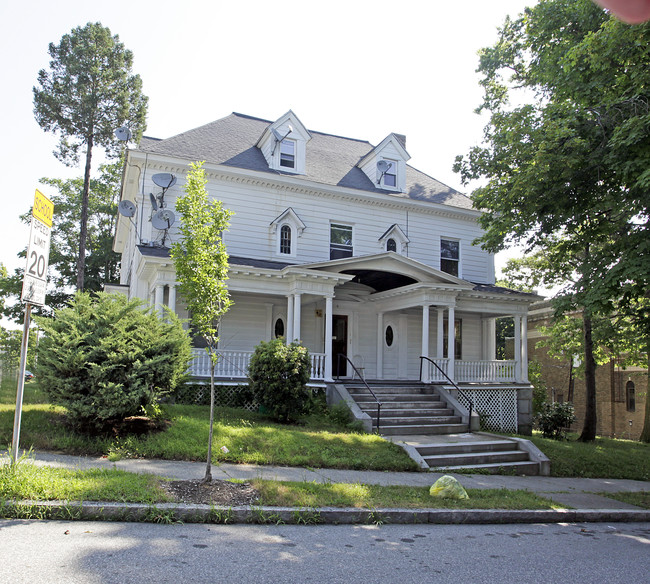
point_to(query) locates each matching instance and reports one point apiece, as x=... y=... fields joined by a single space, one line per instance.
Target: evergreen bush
x=554 y=419
x=279 y=374
x=105 y=358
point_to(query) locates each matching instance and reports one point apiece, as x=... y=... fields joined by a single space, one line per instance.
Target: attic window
x=389 y=178
x=288 y=153
x=391 y=245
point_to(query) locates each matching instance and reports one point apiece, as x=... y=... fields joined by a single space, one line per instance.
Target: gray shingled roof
x=331 y=160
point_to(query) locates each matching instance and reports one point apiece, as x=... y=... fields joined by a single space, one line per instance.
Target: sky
x=355 y=68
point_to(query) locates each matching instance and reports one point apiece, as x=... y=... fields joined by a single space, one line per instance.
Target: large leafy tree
x=101 y=261
x=87 y=93
x=201 y=263
x=567 y=171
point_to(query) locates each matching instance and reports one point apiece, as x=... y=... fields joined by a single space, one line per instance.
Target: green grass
x=26 y=481
x=314 y=495
x=604 y=458
x=640 y=499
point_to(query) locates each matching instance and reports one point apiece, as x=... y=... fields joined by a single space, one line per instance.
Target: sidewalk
x=579 y=495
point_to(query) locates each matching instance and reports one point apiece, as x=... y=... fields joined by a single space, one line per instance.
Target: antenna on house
x=279 y=137
x=163 y=220
x=383 y=167
x=123 y=134
x=154 y=204
x=164 y=180
x=126 y=208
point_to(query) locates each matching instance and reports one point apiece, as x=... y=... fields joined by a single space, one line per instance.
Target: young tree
x=201 y=263
x=567 y=171
x=101 y=262
x=88 y=92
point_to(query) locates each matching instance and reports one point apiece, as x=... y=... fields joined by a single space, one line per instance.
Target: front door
x=339 y=344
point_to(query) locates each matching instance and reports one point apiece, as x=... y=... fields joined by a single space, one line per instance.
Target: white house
x=333 y=241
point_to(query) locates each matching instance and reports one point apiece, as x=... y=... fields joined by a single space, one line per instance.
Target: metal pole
x=21 y=384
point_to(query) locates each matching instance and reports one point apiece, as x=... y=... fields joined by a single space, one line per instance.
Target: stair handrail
x=372 y=393
x=458 y=389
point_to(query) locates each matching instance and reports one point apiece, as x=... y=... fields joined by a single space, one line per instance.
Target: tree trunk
x=591 y=417
x=83 y=228
x=645 y=434
x=208 y=467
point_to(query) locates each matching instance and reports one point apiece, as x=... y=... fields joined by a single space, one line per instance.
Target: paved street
x=117 y=553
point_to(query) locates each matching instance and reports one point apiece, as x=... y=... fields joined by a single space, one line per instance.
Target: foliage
x=279 y=374
x=101 y=260
x=567 y=171
x=10 y=342
x=554 y=419
x=540 y=391
x=86 y=94
x=201 y=263
x=105 y=359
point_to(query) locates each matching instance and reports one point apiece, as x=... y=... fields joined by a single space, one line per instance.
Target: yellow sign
x=43 y=208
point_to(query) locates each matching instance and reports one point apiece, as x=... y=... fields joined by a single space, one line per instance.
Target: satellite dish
x=277 y=135
x=164 y=180
x=123 y=134
x=163 y=219
x=383 y=166
x=126 y=208
x=154 y=205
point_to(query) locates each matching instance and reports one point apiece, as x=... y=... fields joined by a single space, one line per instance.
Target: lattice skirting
x=497 y=408
x=227 y=396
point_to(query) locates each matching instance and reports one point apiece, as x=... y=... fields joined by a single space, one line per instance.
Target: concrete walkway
x=579 y=495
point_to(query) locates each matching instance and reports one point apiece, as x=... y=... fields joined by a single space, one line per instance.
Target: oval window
x=279 y=328
x=390 y=336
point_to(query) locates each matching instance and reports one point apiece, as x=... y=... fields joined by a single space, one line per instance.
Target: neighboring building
x=620 y=393
x=333 y=241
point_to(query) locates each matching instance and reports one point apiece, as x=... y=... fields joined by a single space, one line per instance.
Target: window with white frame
x=340 y=241
x=391 y=245
x=285 y=239
x=389 y=177
x=288 y=153
x=450 y=256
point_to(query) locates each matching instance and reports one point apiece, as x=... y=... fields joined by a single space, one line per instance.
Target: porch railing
x=234 y=364
x=485 y=371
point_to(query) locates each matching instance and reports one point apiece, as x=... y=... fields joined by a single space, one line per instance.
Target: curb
x=174 y=513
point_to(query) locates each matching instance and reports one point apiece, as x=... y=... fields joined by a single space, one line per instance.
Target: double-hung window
x=450 y=256
x=340 y=241
x=288 y=154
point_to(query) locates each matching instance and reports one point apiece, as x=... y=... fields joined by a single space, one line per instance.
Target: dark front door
x=339 y=344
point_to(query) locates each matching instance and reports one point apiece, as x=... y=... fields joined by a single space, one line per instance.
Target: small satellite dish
x=277 y=135
x=383 y=166
x=163 y=219
x=123 y=134
x=154 y=205
x=126 y=208
x=164 y=180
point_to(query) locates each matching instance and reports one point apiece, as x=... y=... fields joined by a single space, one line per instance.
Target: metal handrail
x=372 y=393
x=458 y=389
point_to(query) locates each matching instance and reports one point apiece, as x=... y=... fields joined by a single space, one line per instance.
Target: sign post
x=34 y=285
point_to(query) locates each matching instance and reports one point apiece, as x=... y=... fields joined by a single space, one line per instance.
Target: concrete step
x=396 y=398
x=476 y=458
x=406 y=411
x=418 y=420
x=425 y=429
x=515 y=468
x=465 y=447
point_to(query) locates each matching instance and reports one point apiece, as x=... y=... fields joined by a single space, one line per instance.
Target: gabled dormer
x=394 y=239
x=385 y=164
x=284 y=144
x=285 y=230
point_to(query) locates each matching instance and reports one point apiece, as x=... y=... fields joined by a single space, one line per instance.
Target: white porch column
x=296 y=317
x=289 y=330
x=440 y=332
x=159 y=294
x=425 y=343
x=451 y=341
x=172 y=298
x=380 y=345
x=518 y=367
x=328 y=338
x=489 y=339
x=524 y=348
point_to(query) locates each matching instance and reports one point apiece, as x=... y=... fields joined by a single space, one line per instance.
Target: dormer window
x=385 y=164
x=285 y=240
x=288 y=154
x=391 y=245
x=286 y=228
x=394 y=239
x=389 y=177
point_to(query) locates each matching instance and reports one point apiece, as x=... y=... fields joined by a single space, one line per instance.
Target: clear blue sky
x=357 y=68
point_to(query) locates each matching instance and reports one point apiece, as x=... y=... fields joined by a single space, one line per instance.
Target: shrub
x=554 y=419
x=279 y=374
x=105 y=358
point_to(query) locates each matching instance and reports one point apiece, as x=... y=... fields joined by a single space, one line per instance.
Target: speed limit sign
x=38 y=251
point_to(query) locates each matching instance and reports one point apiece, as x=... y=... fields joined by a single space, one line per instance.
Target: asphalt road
x=36 y=552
